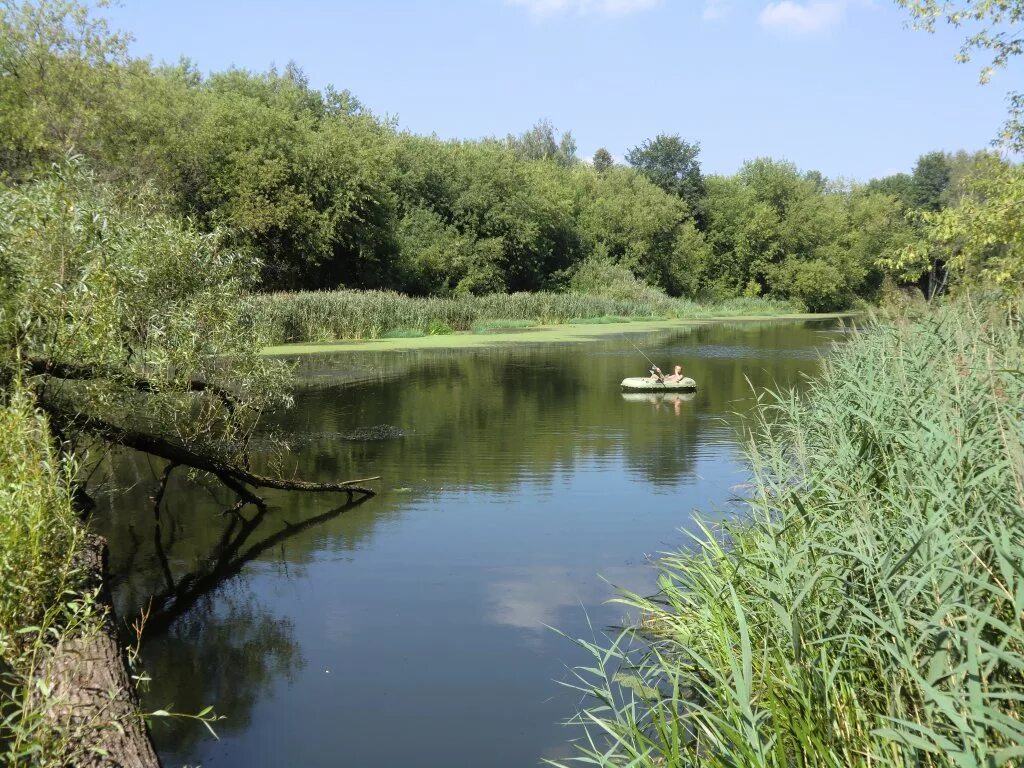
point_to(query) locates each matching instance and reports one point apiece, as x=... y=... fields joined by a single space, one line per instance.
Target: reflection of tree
x=225 y=651
x=235 y=547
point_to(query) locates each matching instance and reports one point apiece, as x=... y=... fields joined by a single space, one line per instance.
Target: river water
x=519 y=489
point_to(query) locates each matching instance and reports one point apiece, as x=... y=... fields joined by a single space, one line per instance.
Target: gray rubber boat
x=644 y=384
x=658 y=397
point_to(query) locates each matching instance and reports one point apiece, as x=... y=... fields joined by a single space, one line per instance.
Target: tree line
x=326 y=194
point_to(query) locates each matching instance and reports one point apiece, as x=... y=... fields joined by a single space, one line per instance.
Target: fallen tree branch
x=177 y=453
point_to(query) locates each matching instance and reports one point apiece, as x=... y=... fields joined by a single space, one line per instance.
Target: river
x=519 y=488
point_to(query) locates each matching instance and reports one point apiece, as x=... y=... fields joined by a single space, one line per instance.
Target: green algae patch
x=549 y=334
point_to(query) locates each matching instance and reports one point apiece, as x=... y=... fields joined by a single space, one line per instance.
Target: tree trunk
x=93 y=698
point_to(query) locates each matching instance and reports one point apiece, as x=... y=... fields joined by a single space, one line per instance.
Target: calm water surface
x=518 y=486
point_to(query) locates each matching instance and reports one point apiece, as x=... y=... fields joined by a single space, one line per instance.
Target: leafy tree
x=671 y=164
x=899 y=186
x=930 y=181
x=603 y=160
x=542 y=143
x=633 y=222
x=127 y=327
x=980 y=239
x=59 y=64
x=994 y=29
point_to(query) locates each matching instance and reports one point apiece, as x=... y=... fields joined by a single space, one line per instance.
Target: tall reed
x=329 y=315
x=867 y=609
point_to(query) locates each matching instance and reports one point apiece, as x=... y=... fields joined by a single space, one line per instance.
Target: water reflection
x=229 y=650
x=519 y=485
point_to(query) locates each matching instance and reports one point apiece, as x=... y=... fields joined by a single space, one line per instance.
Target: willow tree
x=126 y=326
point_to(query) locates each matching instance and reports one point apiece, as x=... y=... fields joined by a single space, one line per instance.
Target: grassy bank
x=332 y=315
x=868 y=610
x=41 y=597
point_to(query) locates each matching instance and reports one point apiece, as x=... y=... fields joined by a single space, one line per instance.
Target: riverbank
x=67 y=695
x=328 y=316
x=566 y=333
x=865 y=606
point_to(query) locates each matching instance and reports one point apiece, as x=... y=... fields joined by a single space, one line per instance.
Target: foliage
x=981 y=238
x=602 y=160
x=38 y=530
x=671 y=164
x=58 y=67
x=599 y=276
x=43 y=596
x=123 y=303
x=542 y=143
x=326 y=194
x=929 y=181
x=991 y=23
x=868 y=609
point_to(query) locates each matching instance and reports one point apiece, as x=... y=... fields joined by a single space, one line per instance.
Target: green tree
x=993 y=29
x=127 y=326
x=930 y=181
x=603 y=160
x=59 y=66
x=542 y=142
x=980 y=240
x=633 y=222
x=671 y=164
x=898 y=185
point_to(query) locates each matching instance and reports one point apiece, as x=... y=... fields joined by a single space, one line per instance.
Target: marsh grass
x=501 y=324
x=319 y=316
x=867 y=608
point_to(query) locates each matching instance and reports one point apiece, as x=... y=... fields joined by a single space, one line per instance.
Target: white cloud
x=584 y=7
x=715 y=9
x=802 y=17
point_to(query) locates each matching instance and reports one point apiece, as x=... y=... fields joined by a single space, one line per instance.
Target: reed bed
x=317 y=316
x=867 y=608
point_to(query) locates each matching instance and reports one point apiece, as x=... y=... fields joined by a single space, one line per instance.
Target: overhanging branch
x=177 y=453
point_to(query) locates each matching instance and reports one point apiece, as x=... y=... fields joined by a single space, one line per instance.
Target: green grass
x=320 y=316
x=867 y=607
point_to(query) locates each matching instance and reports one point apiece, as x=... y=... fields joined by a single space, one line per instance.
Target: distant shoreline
x=563 y=333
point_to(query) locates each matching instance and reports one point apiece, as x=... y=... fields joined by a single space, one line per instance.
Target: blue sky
x=842 y=86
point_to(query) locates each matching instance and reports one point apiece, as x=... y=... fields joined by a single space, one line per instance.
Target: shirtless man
x=672 y=378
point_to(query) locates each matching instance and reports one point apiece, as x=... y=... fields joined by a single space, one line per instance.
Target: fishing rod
x=634 y=346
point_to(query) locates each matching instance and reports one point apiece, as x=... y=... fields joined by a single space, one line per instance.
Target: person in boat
x=673 y=378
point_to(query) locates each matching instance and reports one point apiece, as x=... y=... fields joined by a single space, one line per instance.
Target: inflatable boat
x=644 y=384
x=658 y=397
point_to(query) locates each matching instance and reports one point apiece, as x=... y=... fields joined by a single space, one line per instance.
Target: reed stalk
x=867 y=606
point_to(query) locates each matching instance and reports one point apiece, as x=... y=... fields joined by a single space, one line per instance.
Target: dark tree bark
x=93 y=695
